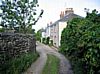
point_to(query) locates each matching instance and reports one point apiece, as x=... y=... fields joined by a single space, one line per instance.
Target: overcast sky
x=52 y=9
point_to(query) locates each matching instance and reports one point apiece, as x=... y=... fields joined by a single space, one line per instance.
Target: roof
x=54 y=23
x=43 y=30
x=67 y=18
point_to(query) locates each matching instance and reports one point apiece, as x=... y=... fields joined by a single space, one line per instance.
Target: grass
x=20 y=64
x=52 y=65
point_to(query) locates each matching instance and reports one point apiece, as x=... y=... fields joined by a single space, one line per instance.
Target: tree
x=39 y=35
x=19 y=13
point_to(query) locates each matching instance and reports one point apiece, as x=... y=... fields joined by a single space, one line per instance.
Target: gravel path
x=37 y=67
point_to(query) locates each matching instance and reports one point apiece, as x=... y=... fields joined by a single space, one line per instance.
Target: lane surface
x=37 y=67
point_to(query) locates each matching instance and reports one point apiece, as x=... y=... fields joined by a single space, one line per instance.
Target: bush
x=44 y=40
x=80 y=41
x=51 y=43
x=47 y=40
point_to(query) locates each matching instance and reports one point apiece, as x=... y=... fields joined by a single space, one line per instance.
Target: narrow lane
x=37 y=67
x=65 y=67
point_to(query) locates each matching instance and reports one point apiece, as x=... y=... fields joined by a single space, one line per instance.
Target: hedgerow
x=80 y=42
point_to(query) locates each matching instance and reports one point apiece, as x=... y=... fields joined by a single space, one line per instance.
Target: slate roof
x=70 y=17
x=67 y=18
x=43 y=30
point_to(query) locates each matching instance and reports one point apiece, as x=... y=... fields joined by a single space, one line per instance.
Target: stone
x=13 y=45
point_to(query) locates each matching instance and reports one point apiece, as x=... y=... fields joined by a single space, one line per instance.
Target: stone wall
x=13 y=45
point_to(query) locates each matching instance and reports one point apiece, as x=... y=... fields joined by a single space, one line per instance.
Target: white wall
x=55 y=32
x=51 y=32
x=55 y=35
x=48 y=31
x=43 y=34
x=62 y=25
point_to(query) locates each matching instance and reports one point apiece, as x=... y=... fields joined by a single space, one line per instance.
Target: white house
x=47 y=30
x=57 y=27
x=43 y=33
x=54 y=30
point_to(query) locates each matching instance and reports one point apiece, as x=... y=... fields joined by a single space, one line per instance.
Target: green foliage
x=38 y=35
x=1 y=29
x=19 y=14
x=44 y=40
x=52 y=65
x=47 y=40
x=51 y=43
x=80 y=40
x=19 y=64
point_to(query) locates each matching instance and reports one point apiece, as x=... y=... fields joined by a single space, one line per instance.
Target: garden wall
x=12 y=45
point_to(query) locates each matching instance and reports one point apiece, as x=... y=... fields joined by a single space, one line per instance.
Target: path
x=37 y=67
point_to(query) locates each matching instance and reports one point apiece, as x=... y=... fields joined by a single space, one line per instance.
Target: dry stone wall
x=13 y=45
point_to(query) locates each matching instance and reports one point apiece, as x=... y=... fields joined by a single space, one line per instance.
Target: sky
x=52 y=9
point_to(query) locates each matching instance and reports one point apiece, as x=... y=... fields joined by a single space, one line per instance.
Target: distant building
x=56 y=28
x=47 y=30
x=43 y=33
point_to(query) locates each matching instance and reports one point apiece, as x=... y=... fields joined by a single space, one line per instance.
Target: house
x=54 y=30
x=57 y=27
x=43 y=34
x=47 y=30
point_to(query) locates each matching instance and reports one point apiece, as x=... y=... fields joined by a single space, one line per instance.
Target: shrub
x=47 y=40
x=80 y=41
x=51 y=42
x=44 y=40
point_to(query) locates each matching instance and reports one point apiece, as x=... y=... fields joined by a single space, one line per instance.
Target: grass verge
x=52 y=65
x=19 y=64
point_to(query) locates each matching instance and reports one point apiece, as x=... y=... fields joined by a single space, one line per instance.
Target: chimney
x=51 y=23
x=62 y=14
x=69 y=11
